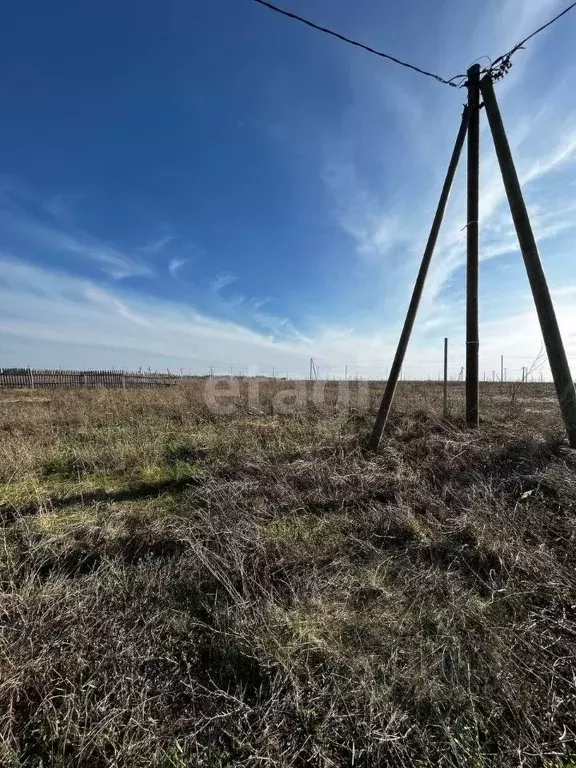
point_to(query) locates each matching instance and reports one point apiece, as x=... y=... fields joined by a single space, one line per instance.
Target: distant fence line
x=30 y=378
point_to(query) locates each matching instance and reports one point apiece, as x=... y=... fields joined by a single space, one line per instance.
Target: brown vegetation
x=185 y=589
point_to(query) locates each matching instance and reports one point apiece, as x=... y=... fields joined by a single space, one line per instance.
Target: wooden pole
x=445 y=392
x=388 y=396
x=544 y=307
x=472 y=342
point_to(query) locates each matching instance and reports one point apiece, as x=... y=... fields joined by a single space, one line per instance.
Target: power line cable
x=501 y=65
x=498 y=69
x=357 y=44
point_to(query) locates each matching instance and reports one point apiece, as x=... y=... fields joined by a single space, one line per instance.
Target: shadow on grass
x=80 y=561
x=142 y=490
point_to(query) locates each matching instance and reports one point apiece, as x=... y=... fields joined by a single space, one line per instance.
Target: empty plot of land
x=186 y=588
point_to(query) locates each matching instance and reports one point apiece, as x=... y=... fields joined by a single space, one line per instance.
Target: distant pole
x=396 y=369
x=445 y=390
x=346 y=373
x=313 y=369
x=544 y=307
x=493 y=376
x=472 y=342
x=273 y=372
x=505 y=374
x=501 y=368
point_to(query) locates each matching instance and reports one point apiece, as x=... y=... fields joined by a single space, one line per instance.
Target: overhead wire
x=356 y=43
x=497 y=69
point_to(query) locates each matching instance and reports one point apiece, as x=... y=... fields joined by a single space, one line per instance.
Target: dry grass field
x=180 y=588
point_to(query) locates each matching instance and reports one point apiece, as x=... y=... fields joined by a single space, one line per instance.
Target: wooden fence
x=30 y=378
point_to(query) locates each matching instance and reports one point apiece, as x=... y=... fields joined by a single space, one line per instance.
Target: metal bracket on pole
x=388 y=395
x=544 y=307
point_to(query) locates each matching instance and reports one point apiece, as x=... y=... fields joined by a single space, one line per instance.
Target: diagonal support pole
x=544 y=307
x=388 y=396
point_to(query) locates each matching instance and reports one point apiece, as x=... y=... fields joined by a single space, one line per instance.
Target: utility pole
x=472 y=342
x=542 y=299
x=501 y=368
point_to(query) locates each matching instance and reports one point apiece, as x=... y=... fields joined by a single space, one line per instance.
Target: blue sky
x=194 y=184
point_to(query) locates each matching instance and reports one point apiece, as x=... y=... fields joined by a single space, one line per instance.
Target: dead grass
x=181 y=589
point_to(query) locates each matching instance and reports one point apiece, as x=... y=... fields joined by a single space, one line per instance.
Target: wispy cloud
x=175 y=265
x=60 y=207
x=221 y=282
x=21 y=227
x=116 y=263
x=159 y=244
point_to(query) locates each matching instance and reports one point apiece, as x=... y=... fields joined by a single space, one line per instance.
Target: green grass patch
x=308 y=536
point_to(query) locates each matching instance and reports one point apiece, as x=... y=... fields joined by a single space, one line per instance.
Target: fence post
x=445 y=389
